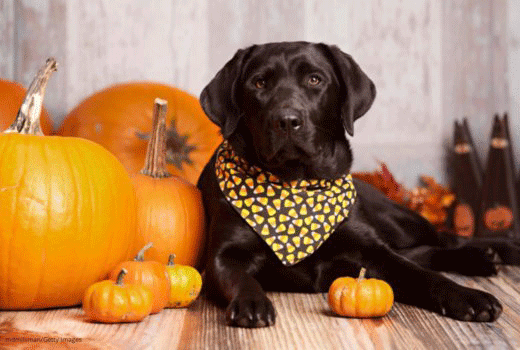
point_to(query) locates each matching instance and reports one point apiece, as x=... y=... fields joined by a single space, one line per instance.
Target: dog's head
x=286 y=107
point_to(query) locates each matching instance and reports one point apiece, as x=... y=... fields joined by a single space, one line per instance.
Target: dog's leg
x=507 y=249
x=421 y=287
x=466 y=260
x=230 y=276
x=327 y=271
x=413 y=284
x=248 y=305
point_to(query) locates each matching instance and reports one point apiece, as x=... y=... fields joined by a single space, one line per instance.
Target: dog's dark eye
x=260 y=83
x=314 y=80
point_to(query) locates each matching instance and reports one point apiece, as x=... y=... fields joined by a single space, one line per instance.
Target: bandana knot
x=294 y=218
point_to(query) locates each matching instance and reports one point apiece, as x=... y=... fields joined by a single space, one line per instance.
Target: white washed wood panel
x=237 y=24
x=189 y=45
x=7 y=39
x=432 y=61
x=41 y=33
x=498 y=51
x=31 y=31
x=116 y=41
x=398 y=44
x=279 y=20
x=475 y=64
x=513 y=73
x=328 y=22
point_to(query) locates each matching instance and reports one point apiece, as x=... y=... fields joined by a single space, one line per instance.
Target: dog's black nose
x=289 y=122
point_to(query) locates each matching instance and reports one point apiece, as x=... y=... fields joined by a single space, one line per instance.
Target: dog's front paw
x=250 y=311
x=467 y=304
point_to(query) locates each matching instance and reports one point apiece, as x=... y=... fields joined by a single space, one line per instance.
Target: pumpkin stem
x=120 y=276
x=140 y=255
x=362 y=273
x=171 y=259
x=155 y=161
x=27 y=120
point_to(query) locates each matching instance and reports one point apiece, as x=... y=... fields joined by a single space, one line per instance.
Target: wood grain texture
x=7 y=39
x=397 y=43
x=238 y=24
x=304 y=321
x=40 y=33
x=513 y=73
x=432 y=61
x=475 y=61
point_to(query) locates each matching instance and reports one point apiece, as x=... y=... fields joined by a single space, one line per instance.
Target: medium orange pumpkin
x=119 y=118
x=12 y=96
x=151 y=274
x=360 y=297
x=110 y=302
x=170 y=211
x=185 y=284
x=67 y=211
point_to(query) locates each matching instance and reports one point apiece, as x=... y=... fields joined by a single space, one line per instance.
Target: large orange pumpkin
x=67 y=211
x=120 y=119
x=170 y=211
x=11 y=98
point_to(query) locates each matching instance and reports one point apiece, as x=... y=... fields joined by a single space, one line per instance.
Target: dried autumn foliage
x=431 y=200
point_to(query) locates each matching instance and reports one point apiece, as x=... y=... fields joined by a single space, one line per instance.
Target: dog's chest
x=293 y=218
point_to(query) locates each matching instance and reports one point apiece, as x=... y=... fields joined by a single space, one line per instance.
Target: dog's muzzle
x=287 y=122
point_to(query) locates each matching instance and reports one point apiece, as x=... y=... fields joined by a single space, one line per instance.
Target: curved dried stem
x=155 y=161
x=28 y=118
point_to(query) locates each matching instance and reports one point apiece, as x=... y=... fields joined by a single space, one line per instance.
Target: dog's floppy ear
x=219 y=97
x=360 y=90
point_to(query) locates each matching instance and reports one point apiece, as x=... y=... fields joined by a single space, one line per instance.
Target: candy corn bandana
x=293 y=218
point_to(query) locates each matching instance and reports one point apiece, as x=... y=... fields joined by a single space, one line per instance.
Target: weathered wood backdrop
x=432 y=61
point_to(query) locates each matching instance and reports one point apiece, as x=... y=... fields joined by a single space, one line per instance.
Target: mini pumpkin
x=360 y=297
x=185 y=283
x=111 y=302
x=149 y=273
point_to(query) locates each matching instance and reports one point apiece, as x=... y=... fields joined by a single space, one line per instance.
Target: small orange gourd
x=152 y=274
x=112 y=302
x=185 y=284
x=360 y=297
x=170 y=211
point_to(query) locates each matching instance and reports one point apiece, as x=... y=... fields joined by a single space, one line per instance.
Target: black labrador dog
x=283 y=212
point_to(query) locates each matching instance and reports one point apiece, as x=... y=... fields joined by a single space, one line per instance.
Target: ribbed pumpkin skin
x=119 y=116
x=185 y=282
x=11 y=97
x=170 y=214
x=67 y=219
x=108 y=302
x=151 y=274
x=360 y=297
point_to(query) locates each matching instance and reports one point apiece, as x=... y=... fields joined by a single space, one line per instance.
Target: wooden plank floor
x=304 y=322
